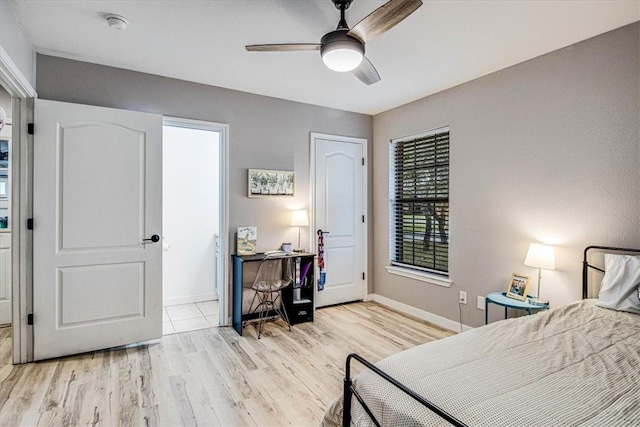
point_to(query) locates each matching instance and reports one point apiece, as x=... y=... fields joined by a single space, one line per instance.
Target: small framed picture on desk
x=246 y=239
x=518 y=286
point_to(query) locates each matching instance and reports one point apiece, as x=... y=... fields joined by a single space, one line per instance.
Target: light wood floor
x=208 y=377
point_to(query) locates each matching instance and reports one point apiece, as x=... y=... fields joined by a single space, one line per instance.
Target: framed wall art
x=268 y=183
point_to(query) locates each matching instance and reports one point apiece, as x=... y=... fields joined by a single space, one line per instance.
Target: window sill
x=422 y=276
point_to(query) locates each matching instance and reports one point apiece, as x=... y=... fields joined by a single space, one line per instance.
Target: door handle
x=154 y=239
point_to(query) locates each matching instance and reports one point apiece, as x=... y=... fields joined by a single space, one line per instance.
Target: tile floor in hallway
x=189 y=317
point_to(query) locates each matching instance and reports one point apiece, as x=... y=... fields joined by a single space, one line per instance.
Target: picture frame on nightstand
x=518 y=287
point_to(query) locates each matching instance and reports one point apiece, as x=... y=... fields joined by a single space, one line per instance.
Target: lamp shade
x=299 y=218
x=541 y=256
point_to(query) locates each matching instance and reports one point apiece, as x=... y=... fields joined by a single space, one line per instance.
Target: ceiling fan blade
x=366 y=72
x=291 y=47
x=384 y=18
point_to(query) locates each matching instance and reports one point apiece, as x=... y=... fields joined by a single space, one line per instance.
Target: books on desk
x=282 y=253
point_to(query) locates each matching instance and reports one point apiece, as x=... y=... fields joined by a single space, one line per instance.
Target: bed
x=573 y=365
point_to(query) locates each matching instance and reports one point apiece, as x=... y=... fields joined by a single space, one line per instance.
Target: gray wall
x=264 y=133
x=547 y=150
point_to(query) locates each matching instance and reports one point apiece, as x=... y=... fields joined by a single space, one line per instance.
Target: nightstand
x=500 y=298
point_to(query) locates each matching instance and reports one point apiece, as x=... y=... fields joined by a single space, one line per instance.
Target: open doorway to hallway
x=191 y=225
x=6 y=221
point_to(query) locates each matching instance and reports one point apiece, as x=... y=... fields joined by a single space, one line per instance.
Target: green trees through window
x=419 y=188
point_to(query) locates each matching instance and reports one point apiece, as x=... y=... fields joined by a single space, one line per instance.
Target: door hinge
x=363 y=275
x=362 y=218
x=29 y=223
x=363 y=161
x=30 y=319
x=30 y=128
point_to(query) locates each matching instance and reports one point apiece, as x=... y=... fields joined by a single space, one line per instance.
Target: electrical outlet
x=481 y=303
x=463 y=297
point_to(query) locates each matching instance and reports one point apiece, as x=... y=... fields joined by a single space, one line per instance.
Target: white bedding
x=577 y=365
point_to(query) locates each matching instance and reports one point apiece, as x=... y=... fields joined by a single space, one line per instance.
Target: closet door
x=339 y=208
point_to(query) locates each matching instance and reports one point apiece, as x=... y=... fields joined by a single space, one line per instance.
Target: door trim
x=223 y=129
x=312 y=192
x=16 y=84
x=12 y=78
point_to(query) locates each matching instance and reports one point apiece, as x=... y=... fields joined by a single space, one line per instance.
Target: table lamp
x=299 y=219
x=540 y=256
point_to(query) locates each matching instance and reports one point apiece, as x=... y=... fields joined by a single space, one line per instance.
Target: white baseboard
x=419 y=313
x=189 y=299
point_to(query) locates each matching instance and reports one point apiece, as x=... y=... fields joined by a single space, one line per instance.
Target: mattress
x=576 y=365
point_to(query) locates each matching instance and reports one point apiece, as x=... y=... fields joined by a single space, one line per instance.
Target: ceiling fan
x=343 y=49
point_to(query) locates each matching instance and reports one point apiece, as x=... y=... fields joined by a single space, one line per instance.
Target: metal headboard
x=586 y=266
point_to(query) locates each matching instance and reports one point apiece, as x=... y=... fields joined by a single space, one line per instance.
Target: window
x=419 y=189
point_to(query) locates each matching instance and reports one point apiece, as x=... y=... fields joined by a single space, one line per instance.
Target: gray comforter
x=577 y=365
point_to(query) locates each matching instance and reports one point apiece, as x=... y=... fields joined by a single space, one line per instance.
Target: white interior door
x=338 y=209
x=97 y=195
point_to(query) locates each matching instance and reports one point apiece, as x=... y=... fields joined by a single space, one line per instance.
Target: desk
x=500 y=298
x=298 y=310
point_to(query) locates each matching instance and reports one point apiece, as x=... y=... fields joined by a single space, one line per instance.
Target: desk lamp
x=540 y=256
x=299 y=219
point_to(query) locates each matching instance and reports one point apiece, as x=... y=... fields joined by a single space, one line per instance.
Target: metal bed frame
x=586 y=266
x=349 y=391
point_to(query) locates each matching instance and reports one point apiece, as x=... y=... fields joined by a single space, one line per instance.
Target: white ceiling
x=443 y=44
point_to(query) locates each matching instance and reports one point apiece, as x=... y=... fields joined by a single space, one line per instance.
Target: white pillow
x=620 y=284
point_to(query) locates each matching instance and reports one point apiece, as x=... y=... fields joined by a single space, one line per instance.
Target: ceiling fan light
x=342 y=59
x=340 y=51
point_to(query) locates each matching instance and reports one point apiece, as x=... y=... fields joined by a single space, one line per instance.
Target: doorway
x=339 y=205
x=5 y=207
x=192 y=225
